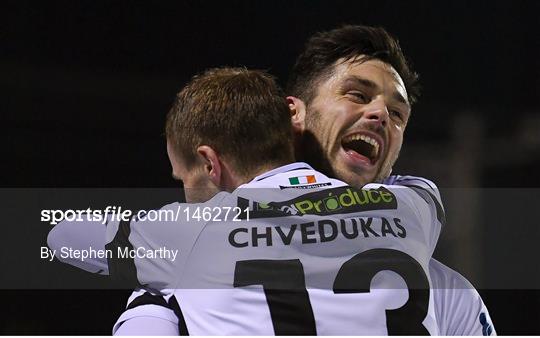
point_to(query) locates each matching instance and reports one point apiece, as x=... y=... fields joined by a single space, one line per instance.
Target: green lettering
x=304 y=206
x=364 y=199
x=386 y=196
x=331 y=203
x=350 y=199
x=373 y=199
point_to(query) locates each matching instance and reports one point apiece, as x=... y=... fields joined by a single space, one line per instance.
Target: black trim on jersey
x=182 y=327
x=122 y=269
x=441 y=217
x=150 y=299
x=413 y=178
x=403 y=179
x=265 y=177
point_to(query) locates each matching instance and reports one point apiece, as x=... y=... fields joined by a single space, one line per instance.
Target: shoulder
x=444 y=277
x=420 y=184
x=411 y=180
x=426 y=189
x=295 y=176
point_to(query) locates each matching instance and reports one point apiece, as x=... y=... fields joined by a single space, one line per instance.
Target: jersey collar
x=282 y=169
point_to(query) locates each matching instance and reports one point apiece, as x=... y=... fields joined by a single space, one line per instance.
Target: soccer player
x=326 y=111
x=351 y=95
x=310 y=261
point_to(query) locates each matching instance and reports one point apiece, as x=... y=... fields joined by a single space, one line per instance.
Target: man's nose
x=377 y=112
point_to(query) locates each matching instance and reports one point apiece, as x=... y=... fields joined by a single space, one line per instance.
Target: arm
x=146 y=325
x=126 y=244
x=147 y=314
x=459 y=308
x=80 y=236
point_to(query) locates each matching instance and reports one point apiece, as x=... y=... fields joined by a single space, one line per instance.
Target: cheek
x=333 y=121
x=398 y=141
x=396 y=135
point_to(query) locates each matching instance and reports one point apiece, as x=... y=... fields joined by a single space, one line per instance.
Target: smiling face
x=356 y=121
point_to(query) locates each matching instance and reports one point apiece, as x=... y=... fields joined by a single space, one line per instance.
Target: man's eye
x=359 y=96
x=397 y=114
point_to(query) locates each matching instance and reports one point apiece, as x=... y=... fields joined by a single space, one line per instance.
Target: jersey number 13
x=284 y=285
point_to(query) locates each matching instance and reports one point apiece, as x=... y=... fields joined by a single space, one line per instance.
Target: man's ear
x=298 y=113
x=212 y=165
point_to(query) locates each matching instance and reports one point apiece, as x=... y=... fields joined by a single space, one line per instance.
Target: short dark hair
x=242 y=114
x=348 y=42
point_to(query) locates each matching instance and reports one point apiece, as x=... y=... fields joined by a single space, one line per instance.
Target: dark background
x=86 y=85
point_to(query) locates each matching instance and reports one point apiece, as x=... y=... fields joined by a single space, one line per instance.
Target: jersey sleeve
x=459 y=308
x=149 y=250
x=80 y=235
x=146 y=325
x=131 y=242
x=424 y=188
x=147 y=314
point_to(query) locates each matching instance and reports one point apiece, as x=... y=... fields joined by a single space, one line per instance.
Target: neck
x=262 y=169
x=233 y=180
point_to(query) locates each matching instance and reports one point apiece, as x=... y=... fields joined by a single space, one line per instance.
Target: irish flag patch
x=302 y=180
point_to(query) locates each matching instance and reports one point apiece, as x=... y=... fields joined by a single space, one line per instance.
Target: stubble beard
x=313 y=153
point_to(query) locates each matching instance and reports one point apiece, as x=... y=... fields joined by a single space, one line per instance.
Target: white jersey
x=459 y=309
x=330 y=261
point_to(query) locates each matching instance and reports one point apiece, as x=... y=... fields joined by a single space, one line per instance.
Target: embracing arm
x=459 y=308
x=83 y=236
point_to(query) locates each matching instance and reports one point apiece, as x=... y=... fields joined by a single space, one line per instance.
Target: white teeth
x=366 y=139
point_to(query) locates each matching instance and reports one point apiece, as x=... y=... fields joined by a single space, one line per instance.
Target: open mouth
x=362 y=147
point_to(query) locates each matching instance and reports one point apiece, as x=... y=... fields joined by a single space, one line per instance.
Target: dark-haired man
x=299 y=260
x=351 y=96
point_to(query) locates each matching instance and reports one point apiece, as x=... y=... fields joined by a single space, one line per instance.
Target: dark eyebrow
x=361 y=81
x=398 y=97
x=372 y=85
